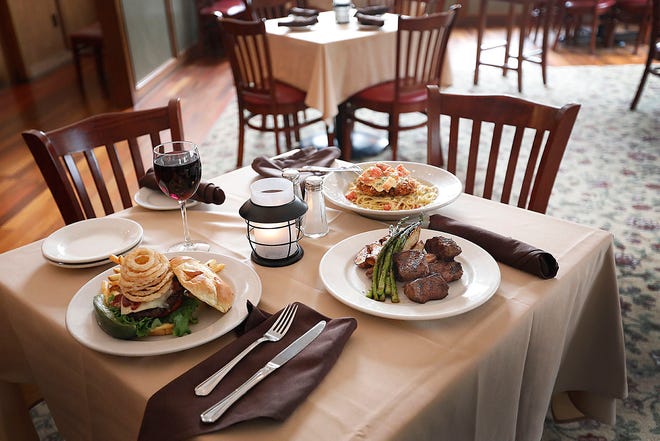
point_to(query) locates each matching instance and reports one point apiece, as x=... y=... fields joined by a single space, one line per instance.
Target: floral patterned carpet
x=609 y=179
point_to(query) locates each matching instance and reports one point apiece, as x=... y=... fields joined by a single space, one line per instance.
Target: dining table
x=332 y=61
x=487 y=373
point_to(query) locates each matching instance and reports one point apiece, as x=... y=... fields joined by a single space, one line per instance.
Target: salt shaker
x=314 y=223
x=293 y=175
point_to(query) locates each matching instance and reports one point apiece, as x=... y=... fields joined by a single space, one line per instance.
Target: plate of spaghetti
x=391 y=190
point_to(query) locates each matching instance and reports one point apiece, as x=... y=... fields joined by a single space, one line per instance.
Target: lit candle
x=275 y=241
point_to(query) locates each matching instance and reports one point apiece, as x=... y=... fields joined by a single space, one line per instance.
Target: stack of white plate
x=90 y=242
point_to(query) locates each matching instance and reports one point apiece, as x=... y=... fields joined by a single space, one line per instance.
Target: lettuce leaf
x=182 y=318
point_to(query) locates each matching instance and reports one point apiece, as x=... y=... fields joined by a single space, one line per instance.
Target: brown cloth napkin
x=504 y=249
x=272 y=168
x=373 y=10
x=206 y=192
x=173 y=412
x=369 y=20
x=297 y=22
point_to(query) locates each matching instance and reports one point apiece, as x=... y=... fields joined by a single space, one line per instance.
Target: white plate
x=92 y=240
x=101 y=262
x=245 y=282
x=156 y=200
x=335 y=187
x=481 y=278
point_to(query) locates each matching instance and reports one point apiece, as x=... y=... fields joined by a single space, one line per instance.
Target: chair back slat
x=414 y=8
x=99 y=181
x=530 y=169
x=249 y=56
x=528 y=142
x=420 y=48
x=492 y=161
x=120 y=177
x=83 y=165
x=472 y=157
x=512 y=165
x=80 y=196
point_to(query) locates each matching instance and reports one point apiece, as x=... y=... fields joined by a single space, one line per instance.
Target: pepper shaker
x=314 y=223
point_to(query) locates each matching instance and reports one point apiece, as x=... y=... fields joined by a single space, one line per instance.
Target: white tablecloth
x=484 y=375
x=333 y=61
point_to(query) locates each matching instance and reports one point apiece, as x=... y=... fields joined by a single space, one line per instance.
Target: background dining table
x=333 y=61
x=485 y=374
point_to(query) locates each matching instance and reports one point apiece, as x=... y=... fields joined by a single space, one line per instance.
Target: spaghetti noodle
x=387 y=188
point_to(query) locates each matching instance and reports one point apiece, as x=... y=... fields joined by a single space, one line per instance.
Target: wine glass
x=178 y=171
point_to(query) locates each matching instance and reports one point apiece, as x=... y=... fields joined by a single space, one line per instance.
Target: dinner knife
x=214 y=412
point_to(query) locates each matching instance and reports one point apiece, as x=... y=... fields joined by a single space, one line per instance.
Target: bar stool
x=88 y=40
x=519 y=19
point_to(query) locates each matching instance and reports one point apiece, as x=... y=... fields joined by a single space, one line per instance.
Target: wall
x=4 y=72
x=40 y=29
x=145 y=40
x=39 y=35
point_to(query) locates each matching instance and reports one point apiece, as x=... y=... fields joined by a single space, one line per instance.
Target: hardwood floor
x=205 y=85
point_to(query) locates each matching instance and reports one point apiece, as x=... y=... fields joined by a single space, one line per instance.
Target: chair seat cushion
x=284 y=94
x=227 y=8
x=384 y=93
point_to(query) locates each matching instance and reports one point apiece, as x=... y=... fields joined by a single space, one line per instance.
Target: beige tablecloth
x=333 y=61
x=484 y=375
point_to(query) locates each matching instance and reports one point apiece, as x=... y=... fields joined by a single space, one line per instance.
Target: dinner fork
x=278 y=329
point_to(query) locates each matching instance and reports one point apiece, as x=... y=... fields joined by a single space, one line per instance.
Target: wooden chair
x=420 y=53
x=522 y=15
x=414 y=8
x=539 y=135
x=258 y=93
x=572 y=14
x=88 y=41
x=267 y=9
x=207 y=14
x=633 y=12
x=653 y=55
x=82 y=162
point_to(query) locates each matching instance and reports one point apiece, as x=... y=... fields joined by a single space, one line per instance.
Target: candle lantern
x=273 y=216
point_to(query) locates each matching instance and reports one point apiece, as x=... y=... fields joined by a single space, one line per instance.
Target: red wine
x=178 y=176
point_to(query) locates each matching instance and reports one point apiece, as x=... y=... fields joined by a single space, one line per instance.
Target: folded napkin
x=373 y=10
x=297 y=22
x=504 y=249
x=369 y=20
x=173 y=412
x=303 y=12
x=206 y=192
x=272 y=168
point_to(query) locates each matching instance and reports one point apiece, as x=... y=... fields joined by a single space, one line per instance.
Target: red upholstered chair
x=633 y=12
x=208 y=12
x=528 y=164
x=259 y=94
x=420 y=52
x=572 y=14
x=82 y=162
x=267 y=9
x=88 y=41
x=651 y=67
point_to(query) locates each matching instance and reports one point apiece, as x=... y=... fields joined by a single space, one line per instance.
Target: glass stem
x=184 y=217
